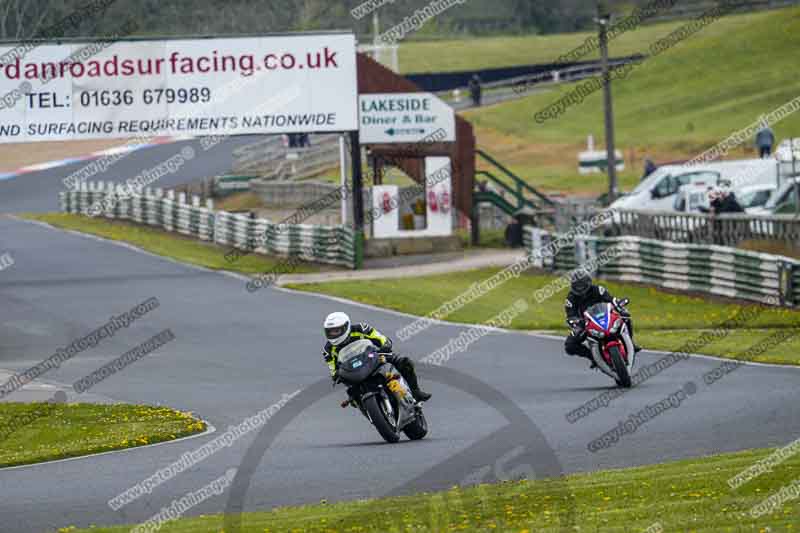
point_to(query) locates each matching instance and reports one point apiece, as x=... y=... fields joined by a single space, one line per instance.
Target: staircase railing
x=520 y=185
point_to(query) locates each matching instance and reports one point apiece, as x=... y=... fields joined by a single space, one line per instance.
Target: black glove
x=620 y=304
x=576 y=325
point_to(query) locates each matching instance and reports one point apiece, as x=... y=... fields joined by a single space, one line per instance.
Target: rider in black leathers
x=582 y=295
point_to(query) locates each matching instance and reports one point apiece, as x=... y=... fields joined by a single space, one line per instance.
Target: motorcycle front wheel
x=620 y=368
x=380 y=419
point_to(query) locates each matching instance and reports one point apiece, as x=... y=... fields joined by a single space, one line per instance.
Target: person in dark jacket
x=475 y=90
x=765 y=138
x=649 y=168
x=513 y=235
x=721 y=202
x=339 y=332
x=582 y=295
x=727 y=203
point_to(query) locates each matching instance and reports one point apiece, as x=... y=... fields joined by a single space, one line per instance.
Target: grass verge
x=491 y=238
x=691 y=495
x=42 y=431
x=656 y=313
x=239 y=201
x=172 y=245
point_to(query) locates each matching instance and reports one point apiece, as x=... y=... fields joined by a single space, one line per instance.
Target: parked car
x=785 y=201
x=754 y=197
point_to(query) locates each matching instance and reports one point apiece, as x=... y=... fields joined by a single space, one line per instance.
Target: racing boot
x=406 y=368
x=420 y=395
x=636 y=347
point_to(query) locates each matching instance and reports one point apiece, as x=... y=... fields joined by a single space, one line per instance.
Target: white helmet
x=337 y=327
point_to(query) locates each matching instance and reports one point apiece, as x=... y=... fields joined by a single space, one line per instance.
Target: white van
x=788 y=154
x=658 y=190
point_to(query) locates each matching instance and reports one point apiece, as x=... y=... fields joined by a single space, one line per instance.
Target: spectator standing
x=513 y=235
x=727 y=203
x=475 y=90
x=765 y=138
x=720 y=202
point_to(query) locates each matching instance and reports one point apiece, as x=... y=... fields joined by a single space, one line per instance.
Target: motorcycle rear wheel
x=418 y=428
x=380 y=420
x=620 y=368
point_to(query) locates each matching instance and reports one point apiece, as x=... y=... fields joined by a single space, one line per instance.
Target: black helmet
x=581 y=283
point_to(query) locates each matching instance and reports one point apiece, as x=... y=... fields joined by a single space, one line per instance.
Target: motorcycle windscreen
x=600 y=315
x=357 y=361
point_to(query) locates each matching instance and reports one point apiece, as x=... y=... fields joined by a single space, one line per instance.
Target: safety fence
x=270 y=159
x=710 y=269
x=699 y=228
x=172 y=212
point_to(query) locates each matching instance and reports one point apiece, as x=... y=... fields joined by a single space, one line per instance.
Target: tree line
x=26 y=19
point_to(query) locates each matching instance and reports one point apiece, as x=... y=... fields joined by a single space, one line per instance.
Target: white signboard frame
x=404 y=118
x=218 y=86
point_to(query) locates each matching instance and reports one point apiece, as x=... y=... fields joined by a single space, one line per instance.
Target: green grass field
x=671 y=107
x=686 y=496
x=167 y=244
x=497 y=52
x=40 y=431
x=657 y=314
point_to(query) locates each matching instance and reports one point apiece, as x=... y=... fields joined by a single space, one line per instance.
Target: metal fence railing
x=268 y=158
x=700 y=228
x=321 y=244
x=712 y=269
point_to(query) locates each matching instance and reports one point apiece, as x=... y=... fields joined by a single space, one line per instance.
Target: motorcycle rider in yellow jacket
x=339 y=332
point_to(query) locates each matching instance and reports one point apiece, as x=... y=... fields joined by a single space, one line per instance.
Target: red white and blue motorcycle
x=609 y=339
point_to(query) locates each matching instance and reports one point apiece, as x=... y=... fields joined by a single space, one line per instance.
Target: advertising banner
x=215 y=86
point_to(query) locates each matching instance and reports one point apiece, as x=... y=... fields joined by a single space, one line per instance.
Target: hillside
x=496 y=52
x=672 y=106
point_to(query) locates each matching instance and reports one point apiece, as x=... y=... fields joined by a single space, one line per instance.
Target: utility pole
x=603 y=19
x=358 y=198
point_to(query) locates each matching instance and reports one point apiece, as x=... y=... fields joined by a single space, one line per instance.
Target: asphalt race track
x=236 y=353
x=38 y=191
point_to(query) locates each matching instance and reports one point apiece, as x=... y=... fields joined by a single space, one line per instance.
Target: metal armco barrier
x=698 y=228
x=321 y=244
x=711 y=269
